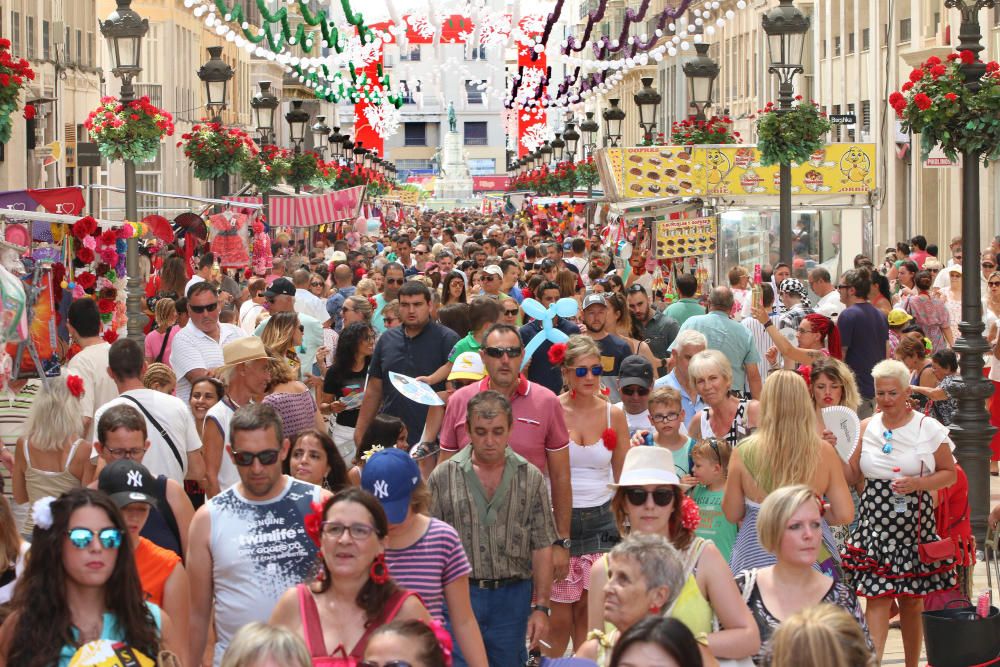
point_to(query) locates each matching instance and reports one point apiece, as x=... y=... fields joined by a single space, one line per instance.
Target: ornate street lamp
x=348 y=151
x=589 y=127
x=124 y=30
x=546 y=153
x=701 y=72
x=572 y=138
x=970 y=429
x=264 y=104
x=613 y=117
x=648 y=101
x=215 y=74
x=786 y=28
x=337 y=143
x=359 y=153
x=321 y=134
x=297 y=119
x=558 y=145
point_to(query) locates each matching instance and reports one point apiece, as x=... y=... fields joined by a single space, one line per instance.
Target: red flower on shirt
x=610 y=438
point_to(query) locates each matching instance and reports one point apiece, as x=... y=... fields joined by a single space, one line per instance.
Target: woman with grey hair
x=725 y=416
x=903 y=457
x=645 y=576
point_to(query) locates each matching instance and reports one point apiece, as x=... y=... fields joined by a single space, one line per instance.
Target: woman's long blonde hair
x=55 y=419
x=784 y=450
x=279 y=332
x=10 y=539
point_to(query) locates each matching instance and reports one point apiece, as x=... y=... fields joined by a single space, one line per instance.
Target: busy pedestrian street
x=454 y=333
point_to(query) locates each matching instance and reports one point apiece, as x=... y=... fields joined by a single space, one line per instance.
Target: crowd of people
x=253 y=485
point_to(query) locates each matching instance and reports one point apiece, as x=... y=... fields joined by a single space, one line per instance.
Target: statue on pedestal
x=452 y=120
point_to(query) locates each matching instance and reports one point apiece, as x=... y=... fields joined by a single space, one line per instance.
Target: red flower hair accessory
x=373 y=302
x=314 y=522
x=110 y=336
x=690 y=514
x=610 y=438
x=444 y=640
x=557 y=353
x=75 y=385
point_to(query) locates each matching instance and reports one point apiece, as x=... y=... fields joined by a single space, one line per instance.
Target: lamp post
x=786 y=28
x=558 y=146
x=648 y=102
x=971 y=429
x=336 y=142
x=124 y=30
x=321 y=133
x=264 y=104
x=701 y=72
x=215 y=74
x=546 y=153
x=613 y=117
x=572 y=138
x=589 y=127
x=297 y=119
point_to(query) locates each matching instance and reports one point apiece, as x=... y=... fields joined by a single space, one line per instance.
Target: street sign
x=87 y=155
x=843 y=119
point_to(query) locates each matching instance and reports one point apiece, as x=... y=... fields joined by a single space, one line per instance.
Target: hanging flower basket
x=586 y=173
x=14 y=76
x=267 y=168
x=130 y=131
x=791 y=136
x=215 y=150
x=936 y=104
x=715 y=130
x=303 y=169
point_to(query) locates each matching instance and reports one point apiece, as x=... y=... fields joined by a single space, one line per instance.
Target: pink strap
x=312 y=629
x=392 y=607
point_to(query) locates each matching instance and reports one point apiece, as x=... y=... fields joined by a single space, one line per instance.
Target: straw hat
x=647 y=466
x=242 y=350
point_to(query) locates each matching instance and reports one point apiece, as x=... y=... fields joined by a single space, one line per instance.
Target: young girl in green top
x=710 y=459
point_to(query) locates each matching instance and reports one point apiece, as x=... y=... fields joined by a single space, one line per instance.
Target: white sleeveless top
x=222 y=413
x=590 y=470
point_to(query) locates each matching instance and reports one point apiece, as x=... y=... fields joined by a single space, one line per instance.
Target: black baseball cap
x=280 y=286
x=635 y=369
x=127 y=482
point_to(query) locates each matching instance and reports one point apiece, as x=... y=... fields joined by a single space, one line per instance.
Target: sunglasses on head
x=637 y=496
x=498 y=352
x=209 y=307
x=581 y=371
x=110 y=538
x=266 y=457
x=635 y=390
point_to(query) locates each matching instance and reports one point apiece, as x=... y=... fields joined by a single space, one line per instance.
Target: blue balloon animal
x=562 y=308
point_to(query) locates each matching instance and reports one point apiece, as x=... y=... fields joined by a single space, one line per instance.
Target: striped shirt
x=428 y=565
x=762 y=341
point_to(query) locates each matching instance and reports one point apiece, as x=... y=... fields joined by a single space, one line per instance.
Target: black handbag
x=957 y=637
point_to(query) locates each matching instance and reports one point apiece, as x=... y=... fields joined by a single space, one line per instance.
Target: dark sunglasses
x=110 y=538
x=511 y=313
x=581 y=371
x=302 y=327
x=993 y=284
x=988 y=265
x=395 y=281
x=498 y=352
x=316 y=284
x=637 y=496
x=266 y=457
x=635 y=390
x=208 y=307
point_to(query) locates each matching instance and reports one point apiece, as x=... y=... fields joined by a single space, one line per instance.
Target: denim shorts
x=592 y=530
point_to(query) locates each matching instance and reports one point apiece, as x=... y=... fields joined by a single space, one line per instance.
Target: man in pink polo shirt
x=539 y=432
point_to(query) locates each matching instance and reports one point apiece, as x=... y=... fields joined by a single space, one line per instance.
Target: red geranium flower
x=922 y=101
x=967 y=57
x=951 y=97
x=916 y=75
x=938 y=70
x=29 y=111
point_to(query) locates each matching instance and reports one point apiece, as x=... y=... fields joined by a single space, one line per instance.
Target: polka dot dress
x=881 y=553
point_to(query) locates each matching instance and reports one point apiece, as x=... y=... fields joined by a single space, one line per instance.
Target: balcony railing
x=154 y=91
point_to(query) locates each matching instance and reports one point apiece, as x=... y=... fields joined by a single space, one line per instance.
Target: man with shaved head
x=343 y=288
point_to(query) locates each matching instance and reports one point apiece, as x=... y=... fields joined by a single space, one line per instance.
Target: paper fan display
x=845 y=425
x=159 y=227
x=418 y=392
x=16 y=234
